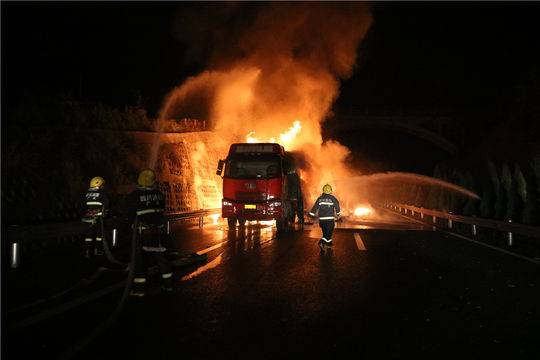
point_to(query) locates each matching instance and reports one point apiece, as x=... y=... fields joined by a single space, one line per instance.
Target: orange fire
x=282 y=88
x=286 y=139
x=215 y=218
x=362 y=211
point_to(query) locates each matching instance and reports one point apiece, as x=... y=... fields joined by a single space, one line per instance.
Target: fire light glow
x=215 y=218
x=267 y=222
x=362 y=211
x=275 y=93
x=286 y=139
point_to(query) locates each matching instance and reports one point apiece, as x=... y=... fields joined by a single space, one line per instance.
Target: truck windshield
x=253 y=168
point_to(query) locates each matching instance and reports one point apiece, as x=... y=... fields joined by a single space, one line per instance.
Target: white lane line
x=204 y=251
x=212 y=264
x=473 y=241
x=246 y=244
x=493 y=247
x=359 y=243
x=219 y=259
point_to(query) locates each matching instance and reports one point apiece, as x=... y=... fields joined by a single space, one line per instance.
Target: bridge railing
x=426 y=215
x=19 y=237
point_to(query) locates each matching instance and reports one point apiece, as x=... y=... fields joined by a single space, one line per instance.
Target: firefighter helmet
x=147 y=177
x=327 y=189
x=97 y=181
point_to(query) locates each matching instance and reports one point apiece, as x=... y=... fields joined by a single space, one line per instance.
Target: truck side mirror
x=220 y=165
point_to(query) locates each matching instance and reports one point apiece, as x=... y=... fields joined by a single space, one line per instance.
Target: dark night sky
x=445 y=55
x=97 y=52
x=438 y=57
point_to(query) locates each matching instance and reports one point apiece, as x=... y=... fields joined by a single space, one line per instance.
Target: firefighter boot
x=138 y=288
x=322 y=246
x=98 y=250
x=329 y=245
x=167 y=282
x=88 y=242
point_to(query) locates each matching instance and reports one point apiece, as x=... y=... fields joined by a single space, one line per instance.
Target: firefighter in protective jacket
x=97 y=206
x=147 y=205
x=328 y=208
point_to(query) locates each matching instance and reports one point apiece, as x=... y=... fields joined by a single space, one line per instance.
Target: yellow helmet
x=147 y=177
x=97 y=181
x=327 y=189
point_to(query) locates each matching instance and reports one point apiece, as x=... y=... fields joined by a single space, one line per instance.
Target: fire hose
x=81 y=344
x=100 y=328
x=82 y=283
x=106 y=248
x=79 y=285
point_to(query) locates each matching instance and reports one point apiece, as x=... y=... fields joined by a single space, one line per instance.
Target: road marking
x=493 y=247
x=212 y=264
x=204 y=251
x=359 y=243
x=69 y=305
x=535 y=261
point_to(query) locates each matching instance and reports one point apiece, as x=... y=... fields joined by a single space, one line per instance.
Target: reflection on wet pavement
x=210 y=265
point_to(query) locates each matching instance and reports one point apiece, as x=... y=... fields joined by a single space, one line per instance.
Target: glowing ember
x=362 y=211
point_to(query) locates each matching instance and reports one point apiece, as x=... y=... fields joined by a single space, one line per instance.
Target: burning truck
x=260 y=182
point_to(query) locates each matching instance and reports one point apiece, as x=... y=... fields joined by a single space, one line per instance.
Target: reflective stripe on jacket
x=327 y=206
x=96 y=202
x=148 y=203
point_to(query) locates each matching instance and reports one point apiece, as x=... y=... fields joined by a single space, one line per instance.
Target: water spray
x=412 y=178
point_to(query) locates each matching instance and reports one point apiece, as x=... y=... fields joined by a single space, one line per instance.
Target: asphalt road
x=389 y=289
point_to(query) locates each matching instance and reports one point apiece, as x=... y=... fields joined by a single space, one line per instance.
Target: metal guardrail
x=18 y=235
x=505 y=226
x=193 y=214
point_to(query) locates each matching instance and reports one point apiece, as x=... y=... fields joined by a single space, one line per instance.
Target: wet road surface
x=389 y=288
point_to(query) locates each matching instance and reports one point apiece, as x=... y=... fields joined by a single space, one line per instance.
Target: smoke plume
x=281 y=64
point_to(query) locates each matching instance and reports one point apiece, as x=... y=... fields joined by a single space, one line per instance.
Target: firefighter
x=328 y=208
x=147 y=204
x=97 y=206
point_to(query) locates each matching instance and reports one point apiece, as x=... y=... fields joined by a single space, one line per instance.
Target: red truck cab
x=255 y=184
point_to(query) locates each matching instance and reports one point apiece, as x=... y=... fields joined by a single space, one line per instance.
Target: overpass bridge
x=403 y=283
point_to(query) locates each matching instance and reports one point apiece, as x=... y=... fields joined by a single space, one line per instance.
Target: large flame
x=280 y=83
x=287 y=139
x=362 y=211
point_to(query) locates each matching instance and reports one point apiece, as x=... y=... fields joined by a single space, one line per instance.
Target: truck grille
x=250 y=196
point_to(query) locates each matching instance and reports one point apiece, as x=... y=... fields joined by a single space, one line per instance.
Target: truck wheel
x=231 y=222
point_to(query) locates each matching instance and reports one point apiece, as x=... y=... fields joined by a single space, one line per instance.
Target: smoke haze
x=280 y=64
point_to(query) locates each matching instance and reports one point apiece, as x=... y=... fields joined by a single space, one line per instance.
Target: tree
x=487 y=205
x=531 y=208
x=521 y=184
x=515 y=204
x=502 y=193
x=493 y=175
